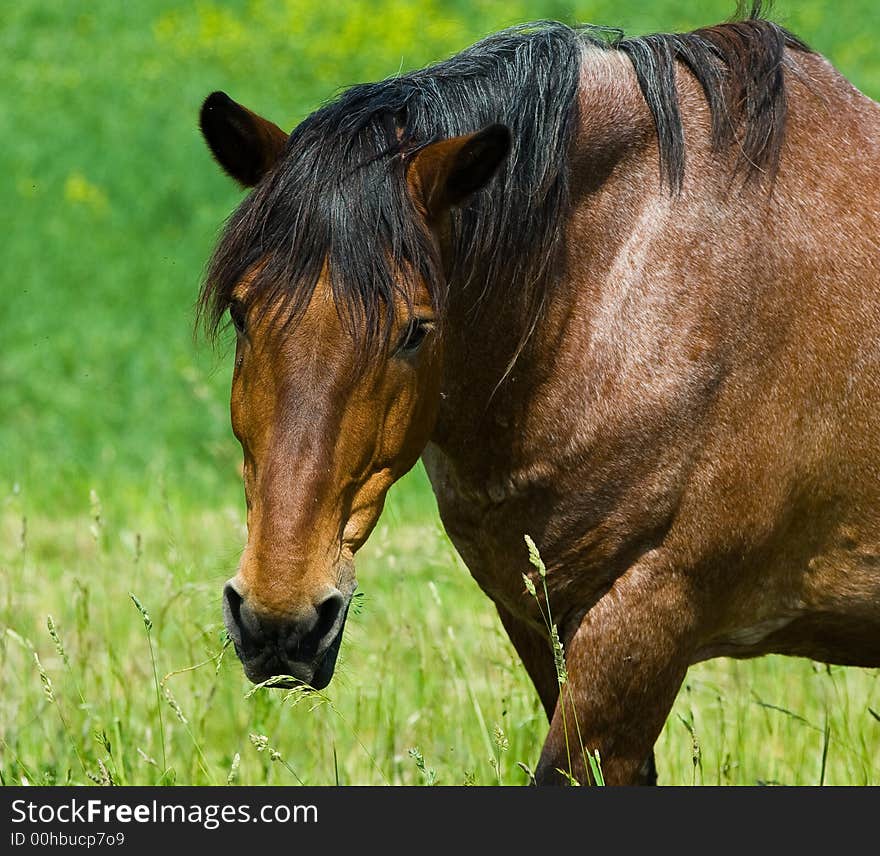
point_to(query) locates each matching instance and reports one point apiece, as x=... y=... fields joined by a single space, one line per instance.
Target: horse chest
x=486 y=523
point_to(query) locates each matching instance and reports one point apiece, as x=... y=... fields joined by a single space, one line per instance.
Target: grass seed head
x=44 y=679
x=232 y=778
x=148 y=622
x=53 y=632
x=535 y=557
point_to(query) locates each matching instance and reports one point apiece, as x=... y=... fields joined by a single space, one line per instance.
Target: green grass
x=425 y=666
x=115 y=445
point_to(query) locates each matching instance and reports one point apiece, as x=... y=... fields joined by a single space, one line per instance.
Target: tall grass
x=428 y=689
x=574 y=742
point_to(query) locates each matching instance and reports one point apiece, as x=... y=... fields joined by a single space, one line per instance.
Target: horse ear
x=244 y=144
x=444 y=174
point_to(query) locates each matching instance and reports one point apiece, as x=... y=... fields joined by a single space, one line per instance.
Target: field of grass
x=119 y=473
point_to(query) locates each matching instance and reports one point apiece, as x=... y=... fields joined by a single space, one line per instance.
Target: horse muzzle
x=303 y=647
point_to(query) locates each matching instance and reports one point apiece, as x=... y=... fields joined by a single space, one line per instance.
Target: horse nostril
x=308 y=638
x=328 y=614
x=232 y=601
x=242 y=624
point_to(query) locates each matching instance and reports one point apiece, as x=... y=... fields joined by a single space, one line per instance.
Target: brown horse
x=662 y=361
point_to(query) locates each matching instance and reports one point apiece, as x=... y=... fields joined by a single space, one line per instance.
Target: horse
x=620 y=295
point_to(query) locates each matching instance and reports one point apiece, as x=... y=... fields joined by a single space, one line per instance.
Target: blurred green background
x=119 y=471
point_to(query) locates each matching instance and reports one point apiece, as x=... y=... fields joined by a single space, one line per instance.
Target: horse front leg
x=626 y=662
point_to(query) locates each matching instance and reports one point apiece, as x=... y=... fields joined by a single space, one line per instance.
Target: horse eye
x=415 y=334
x=237 y=315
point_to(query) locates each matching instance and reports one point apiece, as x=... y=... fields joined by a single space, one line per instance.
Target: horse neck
x=502 y=355
x=657 y=297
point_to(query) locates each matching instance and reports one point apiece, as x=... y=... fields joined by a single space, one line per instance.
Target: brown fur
x=690 y=435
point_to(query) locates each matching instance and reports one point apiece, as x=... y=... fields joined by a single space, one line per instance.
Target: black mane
x=338 y=195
